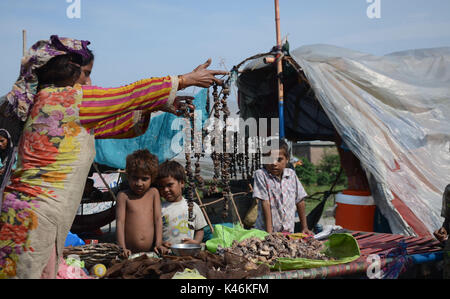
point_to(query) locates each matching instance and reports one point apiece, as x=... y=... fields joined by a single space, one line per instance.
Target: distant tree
x=306 y=172
x=328 y=169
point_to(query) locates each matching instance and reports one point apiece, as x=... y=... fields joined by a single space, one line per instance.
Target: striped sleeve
x=126 y=125
x=113 y=112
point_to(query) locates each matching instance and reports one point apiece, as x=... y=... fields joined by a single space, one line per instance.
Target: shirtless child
x=138 y=211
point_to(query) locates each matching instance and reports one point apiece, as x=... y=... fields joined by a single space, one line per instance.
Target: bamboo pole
x=222 y=198
x=235 y=208
x=104 y=181
x=24 y=42
x=204 y=211
x=279 y=70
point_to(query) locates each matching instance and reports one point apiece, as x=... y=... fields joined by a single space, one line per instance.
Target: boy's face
x=279 y=162
x=170 y=189
x=139 y=183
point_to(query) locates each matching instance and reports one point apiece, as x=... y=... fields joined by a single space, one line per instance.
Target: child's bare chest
x=139 y=206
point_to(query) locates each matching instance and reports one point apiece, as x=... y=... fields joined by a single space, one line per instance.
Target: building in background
x=313 y=150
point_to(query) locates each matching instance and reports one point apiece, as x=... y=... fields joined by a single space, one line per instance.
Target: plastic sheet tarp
x=157 y=139
x=393 y=113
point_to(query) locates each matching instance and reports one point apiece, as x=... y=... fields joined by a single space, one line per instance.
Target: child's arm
x=157 y=218
x=120 y=222
x=199 y=224
x=265 y=205
x=301 y=208
x=261 y=193
x=198 y=237
x=302 y=215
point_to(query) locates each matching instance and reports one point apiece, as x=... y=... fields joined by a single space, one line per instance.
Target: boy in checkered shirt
x=279 y=193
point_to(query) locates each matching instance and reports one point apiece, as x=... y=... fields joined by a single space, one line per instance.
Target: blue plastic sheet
x=73 y=240
x=157 y=139
x=427 y=257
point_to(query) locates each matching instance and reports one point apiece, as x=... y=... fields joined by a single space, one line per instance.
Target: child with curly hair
x=138 y=211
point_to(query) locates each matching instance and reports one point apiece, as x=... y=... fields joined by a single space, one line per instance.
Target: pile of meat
x=275 y=246
x=209 y=265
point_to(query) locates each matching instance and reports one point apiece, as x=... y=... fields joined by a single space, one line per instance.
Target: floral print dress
x=55 y=155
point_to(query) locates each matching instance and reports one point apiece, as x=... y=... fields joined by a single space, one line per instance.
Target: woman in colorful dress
x=61 y=120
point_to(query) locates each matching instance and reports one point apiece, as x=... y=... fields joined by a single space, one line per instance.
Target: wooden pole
x=104 y=182
x=235 y=208
x=24 y=42
x=222 y=198
x=204 y=211
x=279 y=70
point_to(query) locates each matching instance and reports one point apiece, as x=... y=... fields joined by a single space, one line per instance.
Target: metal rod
x=279 y=70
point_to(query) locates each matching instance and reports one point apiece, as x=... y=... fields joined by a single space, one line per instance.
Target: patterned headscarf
x=21 y=97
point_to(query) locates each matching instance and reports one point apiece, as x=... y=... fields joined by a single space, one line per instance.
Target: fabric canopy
x=392 y=112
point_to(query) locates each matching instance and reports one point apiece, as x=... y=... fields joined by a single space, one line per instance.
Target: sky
x=135 y=39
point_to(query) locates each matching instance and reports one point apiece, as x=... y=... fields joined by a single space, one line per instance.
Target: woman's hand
x=201 y=77
x=179 y=105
